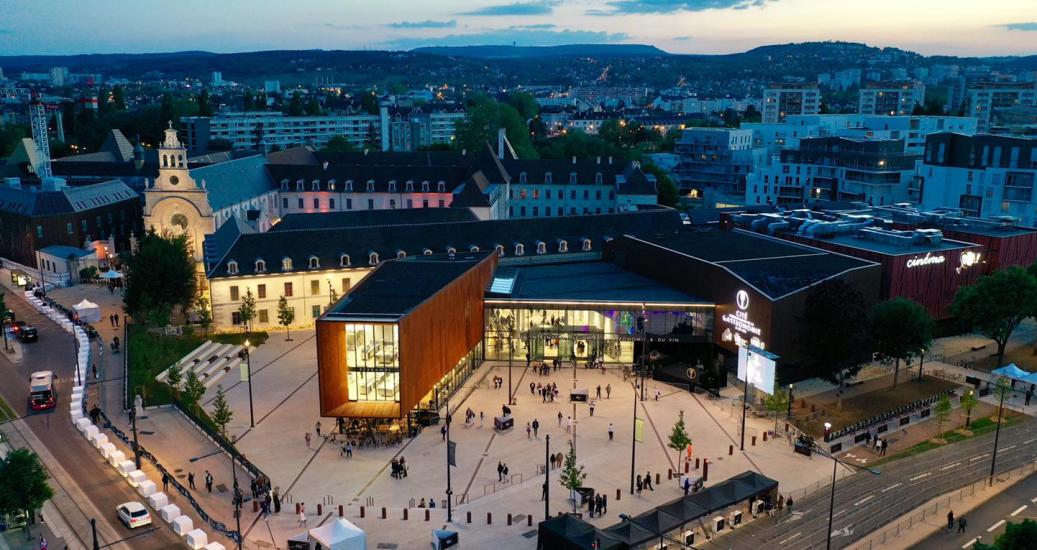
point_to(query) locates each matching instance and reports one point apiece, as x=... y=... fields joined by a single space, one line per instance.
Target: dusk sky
x=953 y=27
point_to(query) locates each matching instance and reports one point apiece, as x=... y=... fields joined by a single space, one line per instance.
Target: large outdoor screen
x=758 y=367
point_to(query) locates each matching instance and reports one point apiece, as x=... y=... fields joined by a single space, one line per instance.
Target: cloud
x=542 y=7
x=509 y=36
x=429 y=24
x=626 y=7
x=1032 y=26
x=537 y=27
x=684 y=38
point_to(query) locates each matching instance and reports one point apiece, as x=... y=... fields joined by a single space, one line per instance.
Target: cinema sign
x=928 y=259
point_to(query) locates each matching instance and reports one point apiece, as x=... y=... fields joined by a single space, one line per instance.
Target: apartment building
x=985 y=100
x=783 y=99
x=715 y=160
x=891 y=98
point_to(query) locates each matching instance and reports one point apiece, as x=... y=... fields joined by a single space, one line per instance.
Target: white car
x=134 y=514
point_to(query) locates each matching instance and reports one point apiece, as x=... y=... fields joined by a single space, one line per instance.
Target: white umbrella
x=111 y=274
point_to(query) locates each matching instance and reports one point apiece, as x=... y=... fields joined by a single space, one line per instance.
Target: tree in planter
x=247 y=309
x=160 y=276
x=679 y=438
x=899 y=329
x=942 y=412
x=173 y=377
x=193 y=389
x=221 y=413
x=201 y=306
x=777 y=404
x=996 y=304
x=285 y=317
x=572 y=474
x=968 y=402
x=832 y=332
x=23 y=484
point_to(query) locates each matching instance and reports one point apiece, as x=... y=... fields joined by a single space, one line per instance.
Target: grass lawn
x=867 y=405
x=150 y=354
x=979 y=426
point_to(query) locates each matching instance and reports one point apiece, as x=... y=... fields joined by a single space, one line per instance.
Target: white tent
x=339 y=535
x=111 y=274
x=88 y=311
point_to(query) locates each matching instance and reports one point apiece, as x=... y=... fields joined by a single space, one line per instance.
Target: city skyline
x=1005 y=27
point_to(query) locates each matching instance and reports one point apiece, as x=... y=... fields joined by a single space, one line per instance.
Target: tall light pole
x=449 y=489
x=133 y=427
x=1002 y=390
x=745 y=406
x=237 y=501
x=835 y=469
x=633 y=438
x=511 y=351
x=248 y=366
x=789 y=413
x=547 y=477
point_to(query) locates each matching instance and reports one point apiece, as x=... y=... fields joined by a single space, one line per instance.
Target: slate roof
x=592 y=281
x=234 y=181
x=368 y=218
x=30 y=202
x=328 y=245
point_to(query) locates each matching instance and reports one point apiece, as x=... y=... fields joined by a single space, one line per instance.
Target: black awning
x=569 y=532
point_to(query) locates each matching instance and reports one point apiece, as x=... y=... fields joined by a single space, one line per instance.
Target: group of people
x=113 y=320
x=469 y=419
x=431 y=503
x=269 y=500
x=644 y=483
x=498 y=382
x=399 y=468
x=548 y=393
x=878 y=444
x=533 y=429
x=597 y=505
x=962 y=522
x=502 y=472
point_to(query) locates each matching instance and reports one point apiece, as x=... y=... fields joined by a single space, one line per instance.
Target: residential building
x=984 y=176
x=846 y=79
x=783 y=99
x=891 y=98
x=985 y=100
x=262 y=130
x=714 y=163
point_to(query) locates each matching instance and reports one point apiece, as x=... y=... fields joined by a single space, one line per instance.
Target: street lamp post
x=968 y=413
x=511 y=352
x=997 y=432
x=93 y=530
x=633 y=439
x=449 y=489
x=745 y=407
x=789 y=413
x=547 y=477
x=248 y=366
x=237 y=501
x=835 y=470
x=133 y=427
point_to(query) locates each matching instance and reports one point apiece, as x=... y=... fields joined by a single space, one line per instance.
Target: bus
x=41 y=390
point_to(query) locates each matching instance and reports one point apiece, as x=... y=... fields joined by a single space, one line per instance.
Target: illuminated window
x=286 y=264
x=260 y=266
x=314 y=262
x=232 y=267
x=372 y=362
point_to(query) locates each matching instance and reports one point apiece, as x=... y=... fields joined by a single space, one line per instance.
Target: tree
x=338 y=144
x=371 y=141
x=160 y=277
x=295 y=104
x=221 y=413
x=572 y=474
x=201 y=307
x=667 y=190
x=10 y=136
x=285 y=317
x=484 y=117
x=248 y=101
x=1017 y=536
x=996 y=304
x=369 y=102
x=777 y=404
x=174 y=376
x=899 y=329
x=194 y=389
x=942 y=412
x=23 y=484
x=524 y=104
x=832 y=331
x=313 y=107
x=166 y=109
x=968 y=402
x=751 y=115
x=679 y=438
x=204 y=104
x=118 y=98
x=247 y=309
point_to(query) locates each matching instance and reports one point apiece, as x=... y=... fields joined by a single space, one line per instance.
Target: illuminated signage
x=741 y=330
x=968 y=259
x=928 y=259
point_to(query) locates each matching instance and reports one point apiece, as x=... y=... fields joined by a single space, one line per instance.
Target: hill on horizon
x=508 y=52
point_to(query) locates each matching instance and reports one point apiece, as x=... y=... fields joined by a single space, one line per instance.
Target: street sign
x=244 y=372
x=451 y=453
x=639 y=430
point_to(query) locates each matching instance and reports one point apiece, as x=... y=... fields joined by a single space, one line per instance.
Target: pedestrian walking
x=316 y=428
x=612 y=432
x=788 y=504
x=962 y=524
x=500 y=471
x=529 y=430
x=592 y=407
x=687 y=485
x=190 y=480
x=208 y=481
x=442 y=431
x=597 y=392
x=648 y=482
x=349 y=449
x=950 y=520
x=481 y=418
x=302 y=516
x=885 y=445
x=532 y=388
x=638 y=484
x=543 y=491
x=536 y=428
x=608 y=391
x=307 y=440
x=165 y=482
x=505 y=473
x=559 y=419
x=604 y=503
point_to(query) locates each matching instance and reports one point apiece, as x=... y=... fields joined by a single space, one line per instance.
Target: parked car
x=134 y=514
x=26 y=333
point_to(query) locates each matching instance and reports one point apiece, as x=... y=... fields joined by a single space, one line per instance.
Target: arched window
x=541 y=247
x=473 y=248
x=370 y=185
x=585 y=245
x=343 y=260
x=500 y=250
x=316 y=185
x=598 y=179
x=522 y=177
x=392 y=186
x=563 y=246
x=349 y=186
x=400 y=254
x=284 y=184
x=547 y=178
x=441 y=187
x=298 y=185
x=331 y=185
x=572 y=177
x=286 y=264
x=424 y=187
x=427 y=252
x=409 y=186
x=314 y=262
x=260 y=266
x=232 y=267
x=451 y=250
x=372 y=258
x=520 y=249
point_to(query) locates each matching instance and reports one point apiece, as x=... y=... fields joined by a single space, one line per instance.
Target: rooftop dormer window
x=598 y=178
x=424 y=187
x=400 y=254
x=522 y=177
x=427 y=252
x=547 y=178
x=409 y=187
x=316 y=185
x=585 y=245
x=232 y=267
x=473 y=248
x=500 y=250
x=298 y=185
x=286 y=264
x=372 y=258
x=451 y=250
x=284 y=184
x=441 y=187
x=260 y=266
x=370 y=185
x=563 y=246
x=520 y=249
x=572 y=178
x=343 y=260
x=541 y=247
x=349 y=186
x=331 y=185
x=392 y=186
x=314 y=262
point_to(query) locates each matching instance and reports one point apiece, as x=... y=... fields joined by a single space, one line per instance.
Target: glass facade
x=453 y=380
x=582 y=332
x=373 y=362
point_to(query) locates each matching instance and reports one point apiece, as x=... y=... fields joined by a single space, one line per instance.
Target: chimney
x=325 y=166
x=501 y=138
x=610 y=159
x=599 y=160
x=13 y=183
x=574 y=159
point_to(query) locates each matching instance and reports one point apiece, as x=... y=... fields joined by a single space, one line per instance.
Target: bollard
x=705 y=470
x=468 y=519
x=362 y=511
x=754 y=441
x=405 y=516
x=529 y=520
x=385 y=513
x=509 y=520
x=813 y=408
x=297 y=508
x=427 y=514
x=730 y=450
x=619 y=494
x=658 y=479
x=765 y=435
x=255 y=506
x=489 y=518
x=687 y=466
x=320 y=509
x=696 y=463
x=341 y=512
x=669 y=473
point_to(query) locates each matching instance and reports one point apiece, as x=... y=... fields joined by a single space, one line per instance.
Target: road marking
x=970 y=543
x=919 y=476
x=1005 y=449
x=792 y=537
x=863 y=500
x=996 y=525
x=1029 y=441
x=1021 y=508
x=891 y=487
x=1034 y=499
x=978 y=457
x=950 y=466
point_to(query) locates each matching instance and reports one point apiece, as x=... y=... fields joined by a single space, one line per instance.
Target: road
x=1015 y=504
x=75 y=465
x=865 y=502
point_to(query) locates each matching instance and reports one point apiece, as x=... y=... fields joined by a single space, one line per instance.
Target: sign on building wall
x=740 y=327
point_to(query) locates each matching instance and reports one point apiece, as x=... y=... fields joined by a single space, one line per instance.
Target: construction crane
x=604 y=76
x=38 y=117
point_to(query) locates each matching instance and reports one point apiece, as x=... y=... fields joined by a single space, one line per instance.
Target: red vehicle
x=41 y=391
